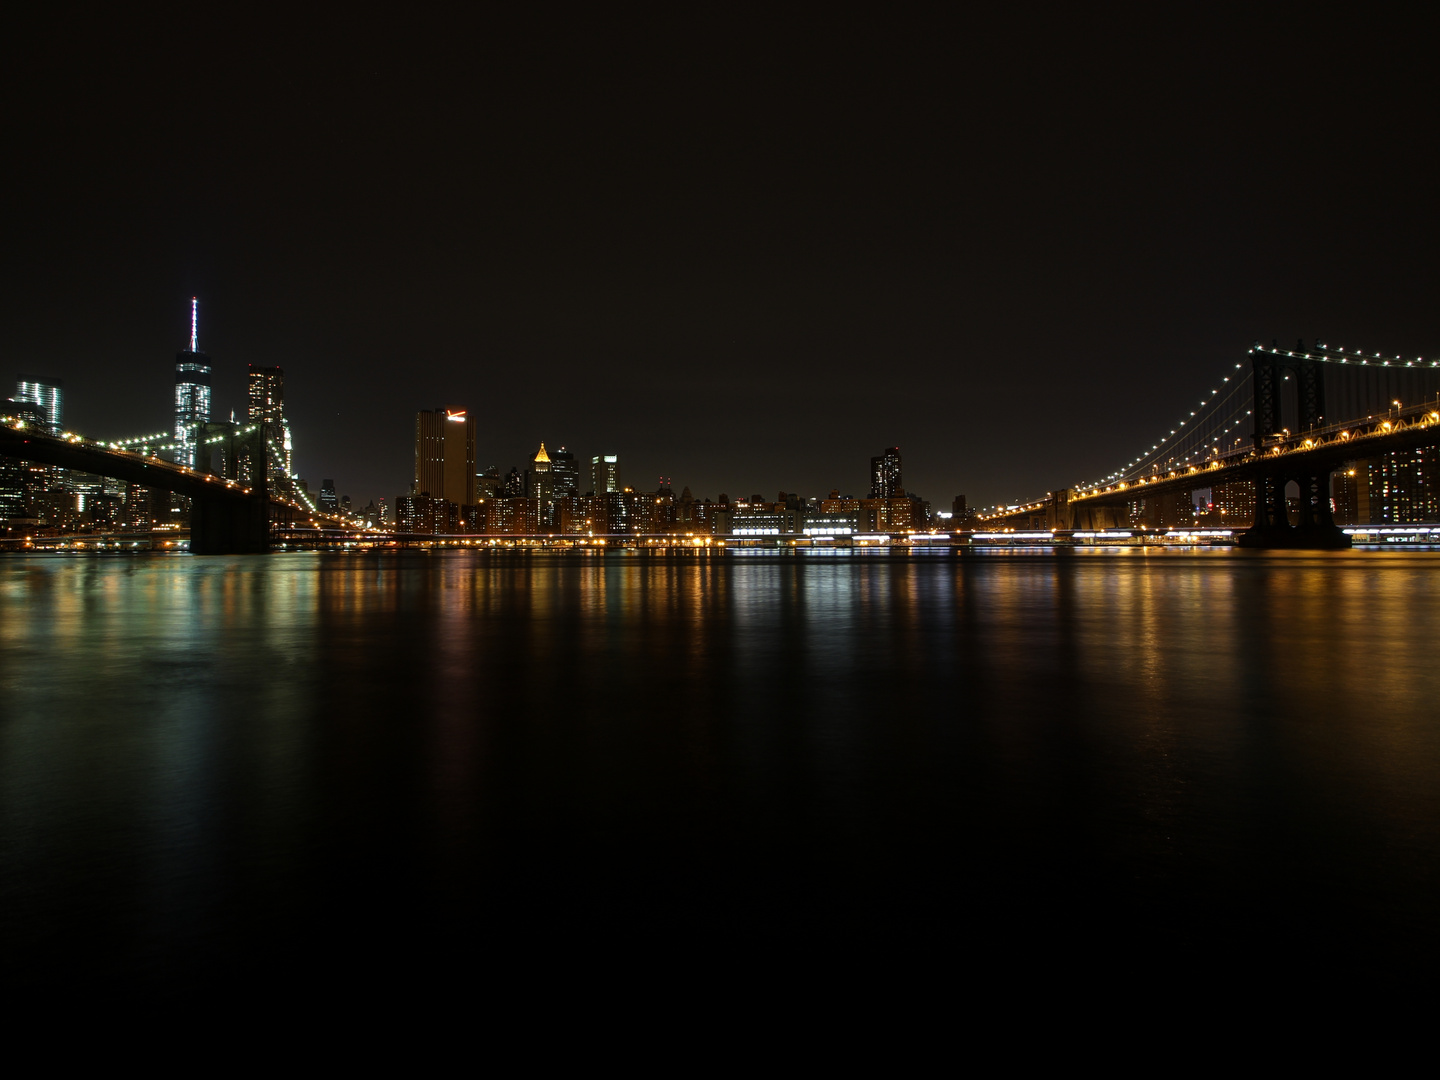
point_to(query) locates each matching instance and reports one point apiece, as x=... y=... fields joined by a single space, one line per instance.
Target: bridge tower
x=232 y=527
x=1272 y=528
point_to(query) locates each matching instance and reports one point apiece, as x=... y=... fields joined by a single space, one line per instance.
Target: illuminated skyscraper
x=267 y=406
x=604 y=473
x=21 y=483
x=47 y=397
x=445 y=455
x=885 y=481
x=540 y=484
x=48 y=394
x=267 y=395
x=192 y=391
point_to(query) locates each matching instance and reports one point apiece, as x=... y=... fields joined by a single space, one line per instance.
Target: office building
x=46 y=396
x=885 y=479
x=604 y=473
x=1350 y=494
x=540 y=484
x=328 y=502
x=1233 y=504
x=267 y=394
x=538 y=475
x=488 y=483
x=267 y=407
x=1403 y=487
x=46 y=393
x=21 y=482
x=565 y=471
x=421 y=514
x=192 y=392
x=445 y=455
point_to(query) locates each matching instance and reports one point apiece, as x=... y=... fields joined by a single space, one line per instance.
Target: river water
x=343 y=767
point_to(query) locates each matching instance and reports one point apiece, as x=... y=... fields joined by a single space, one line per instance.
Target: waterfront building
x=834 y=523
x=1233 y=504
x=139 y=513
x=622 y=512
x=476 y=518
x=513 y=516
x=445 y=455
x=421 y=514
x=1404 y=487
x=1349 y=496
x=760 y=519
x=887 y=514
x=572 y=515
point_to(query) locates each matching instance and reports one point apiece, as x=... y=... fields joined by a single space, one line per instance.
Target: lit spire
x=194 y=323
x=542 y=456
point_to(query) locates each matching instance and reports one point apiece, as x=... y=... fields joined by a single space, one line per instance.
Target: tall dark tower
x=885 y=481
x=192 y=392
x=445 y=455
x=566 y=471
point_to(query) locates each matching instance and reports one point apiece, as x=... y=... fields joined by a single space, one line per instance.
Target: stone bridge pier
x=230 y=526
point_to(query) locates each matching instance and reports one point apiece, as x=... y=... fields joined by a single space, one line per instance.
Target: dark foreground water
x=332 y=771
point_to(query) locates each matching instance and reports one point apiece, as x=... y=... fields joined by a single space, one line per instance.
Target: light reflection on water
x=204 y=762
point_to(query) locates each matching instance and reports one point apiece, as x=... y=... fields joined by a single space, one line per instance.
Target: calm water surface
x=339 y=767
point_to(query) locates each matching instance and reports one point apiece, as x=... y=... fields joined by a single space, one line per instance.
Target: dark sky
x=741 y=250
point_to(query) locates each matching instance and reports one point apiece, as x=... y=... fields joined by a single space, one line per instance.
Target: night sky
x=740 y=250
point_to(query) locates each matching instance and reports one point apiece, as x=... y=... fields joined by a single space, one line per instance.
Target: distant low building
x=831 y=523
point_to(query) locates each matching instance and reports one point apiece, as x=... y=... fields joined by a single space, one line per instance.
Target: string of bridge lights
x=1325 y=355
x=1205 y=402
x=1355 y=356
x=280 y=463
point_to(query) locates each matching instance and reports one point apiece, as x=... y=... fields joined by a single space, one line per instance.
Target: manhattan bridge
x=1286 y=420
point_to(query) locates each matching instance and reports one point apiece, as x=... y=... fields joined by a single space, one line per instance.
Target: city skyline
x=264 y=401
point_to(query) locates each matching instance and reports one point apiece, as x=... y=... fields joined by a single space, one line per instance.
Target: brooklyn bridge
x=238 y=493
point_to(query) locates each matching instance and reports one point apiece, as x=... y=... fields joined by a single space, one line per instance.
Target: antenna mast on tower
x=194 y=323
